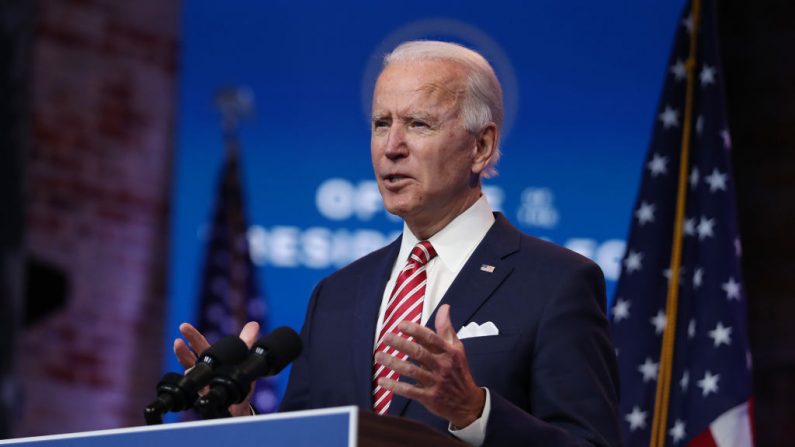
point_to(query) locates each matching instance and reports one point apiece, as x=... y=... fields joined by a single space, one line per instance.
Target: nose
x=395 y=145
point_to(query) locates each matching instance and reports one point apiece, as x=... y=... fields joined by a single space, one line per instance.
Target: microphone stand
x=224 y=390
x=166 y=391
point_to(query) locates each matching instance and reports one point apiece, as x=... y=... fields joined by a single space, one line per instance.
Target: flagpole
x=661 y=400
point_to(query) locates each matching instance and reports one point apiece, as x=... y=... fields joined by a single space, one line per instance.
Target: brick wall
x=98 y=181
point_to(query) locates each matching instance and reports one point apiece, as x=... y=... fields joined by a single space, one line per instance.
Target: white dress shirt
x=454 y=245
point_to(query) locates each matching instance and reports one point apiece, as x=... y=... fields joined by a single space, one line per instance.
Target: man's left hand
x=196 y=343
x=439 y=365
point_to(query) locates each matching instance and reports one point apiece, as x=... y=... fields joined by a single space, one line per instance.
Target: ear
x=485 y=148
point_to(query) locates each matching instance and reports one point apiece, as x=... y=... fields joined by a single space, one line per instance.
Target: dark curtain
x=16 y=34
x=757 y=41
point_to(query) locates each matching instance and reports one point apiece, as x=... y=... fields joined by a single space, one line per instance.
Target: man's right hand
x=187 y=354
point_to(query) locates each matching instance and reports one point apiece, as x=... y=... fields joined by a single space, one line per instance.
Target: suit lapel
x=473 y=286
x=370 y=291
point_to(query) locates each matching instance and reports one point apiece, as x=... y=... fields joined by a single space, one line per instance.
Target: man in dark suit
x=463 y=323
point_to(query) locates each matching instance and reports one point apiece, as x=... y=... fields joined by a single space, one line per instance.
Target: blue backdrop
x=581 y=81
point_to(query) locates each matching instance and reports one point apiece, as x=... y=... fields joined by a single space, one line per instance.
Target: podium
x=331 y=427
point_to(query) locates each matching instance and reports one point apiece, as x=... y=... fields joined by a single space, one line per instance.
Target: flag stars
x=699 y=125
x=716 y=181
x=658 y=165
x=636 y=419
x=721 y=335
x=691 y=329
x=694 y=177
x=732 y=289
x=659 y=321
x=667 y=273
x=688 y=23
x=707 y=75
x=633 y=262
x=649 y=370
x=709 y=384
x=738 y=247
x=727 y=139
x=645 y=213
x=677 y=432
x=706 y=228
x=684 y=382
x=621 y=310
x=689 y=226
x=679 y=70
x=669 y=117
x=698 y=278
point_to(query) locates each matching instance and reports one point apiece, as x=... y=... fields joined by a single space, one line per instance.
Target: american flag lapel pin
x=487 y=268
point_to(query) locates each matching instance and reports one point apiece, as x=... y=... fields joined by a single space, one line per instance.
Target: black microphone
x=269 y=355
x=177 y=392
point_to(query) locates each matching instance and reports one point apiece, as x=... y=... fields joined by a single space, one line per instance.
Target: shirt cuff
x=475 y=433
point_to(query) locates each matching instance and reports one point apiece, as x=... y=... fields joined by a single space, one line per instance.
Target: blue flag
x=229 y=291
x=708 y=399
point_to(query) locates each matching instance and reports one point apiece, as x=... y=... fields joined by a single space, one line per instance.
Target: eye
x=419 y=124
x=380 y=123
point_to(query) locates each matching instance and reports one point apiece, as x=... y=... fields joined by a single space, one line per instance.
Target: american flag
x=229 y=294
x=709 y=396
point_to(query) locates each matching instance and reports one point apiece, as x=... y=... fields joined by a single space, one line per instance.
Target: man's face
x=422 y=155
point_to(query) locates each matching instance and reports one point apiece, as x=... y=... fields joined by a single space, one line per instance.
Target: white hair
x=482 y=102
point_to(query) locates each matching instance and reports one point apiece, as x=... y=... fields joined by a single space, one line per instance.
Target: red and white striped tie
x=405 y=304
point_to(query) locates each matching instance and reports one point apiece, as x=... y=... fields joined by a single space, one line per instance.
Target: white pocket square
x=478 y=330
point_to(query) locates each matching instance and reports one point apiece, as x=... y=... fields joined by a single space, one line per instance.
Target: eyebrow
x=421 y=116
x=416 y=115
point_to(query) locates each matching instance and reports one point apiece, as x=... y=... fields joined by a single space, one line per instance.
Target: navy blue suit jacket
x=551 y=371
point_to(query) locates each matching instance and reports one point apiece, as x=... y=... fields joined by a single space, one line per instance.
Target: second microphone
x=230 y=384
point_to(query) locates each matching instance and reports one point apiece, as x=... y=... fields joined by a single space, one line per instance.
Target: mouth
x=394 y=181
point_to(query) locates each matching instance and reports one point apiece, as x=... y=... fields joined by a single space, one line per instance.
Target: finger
x=411 y=349
x=403 y=389
x=195 y=339
x=424 y=336
x=444 y=327
x=185 y=356
x=249 y=333
x=404 y=368
x=244 y=408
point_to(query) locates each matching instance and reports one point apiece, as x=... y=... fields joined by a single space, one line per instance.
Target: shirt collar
x=456 y=241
